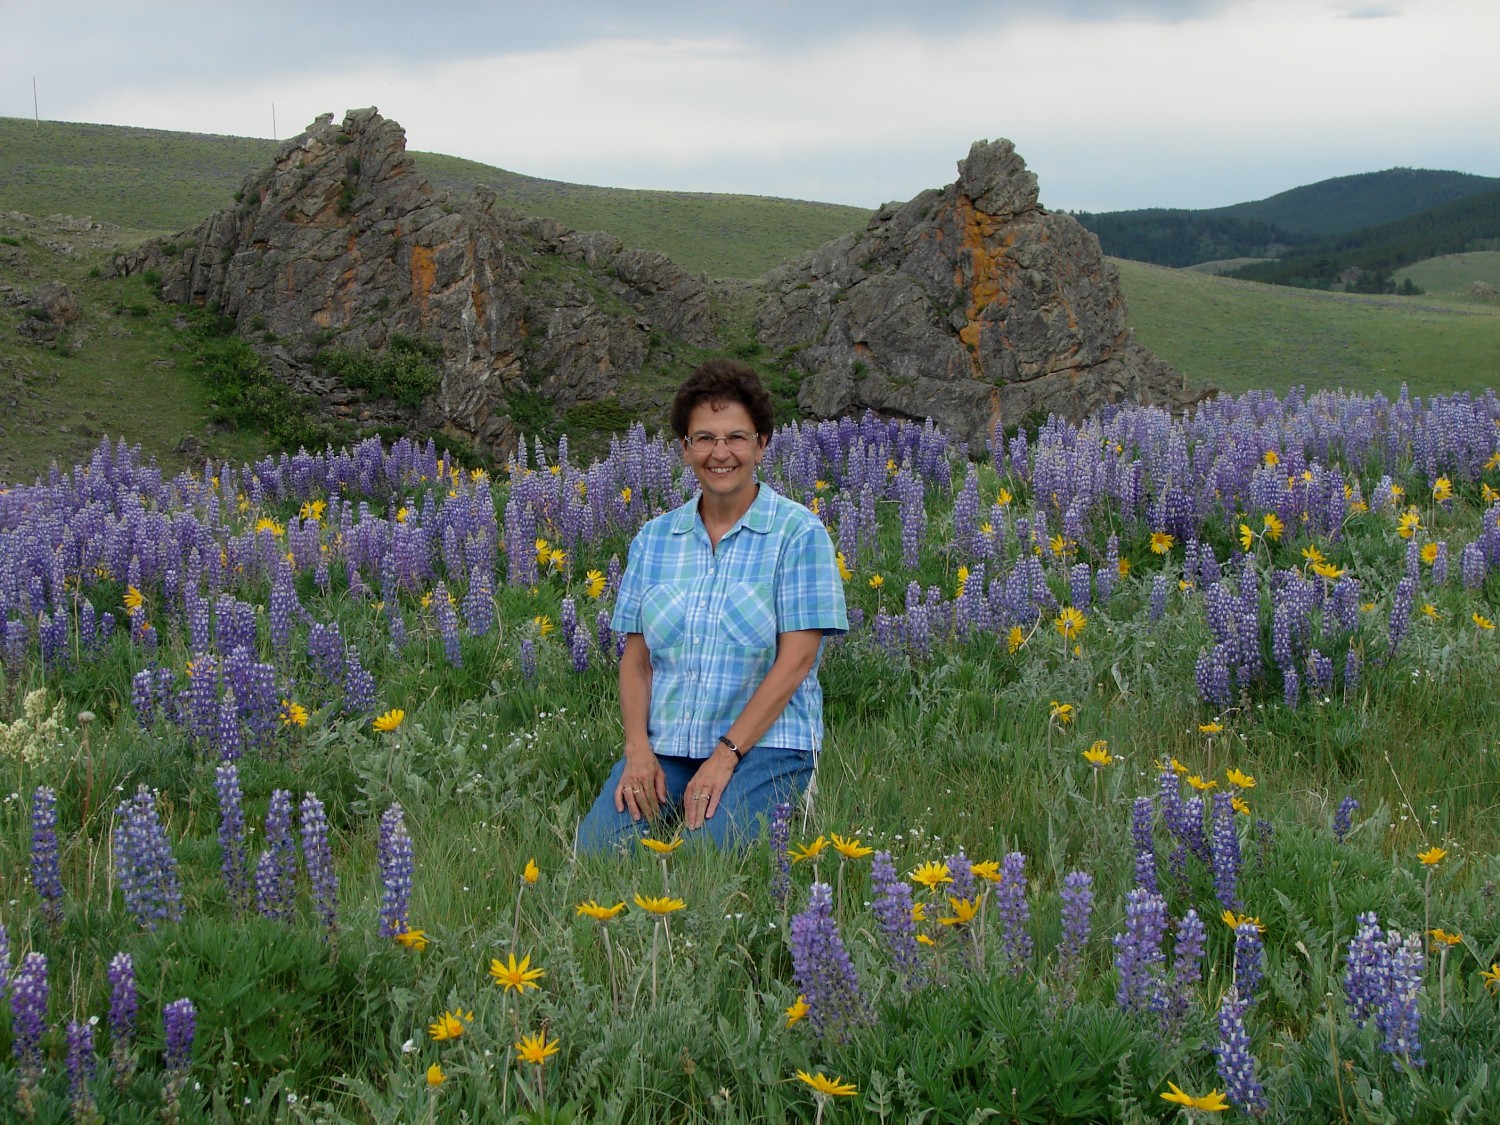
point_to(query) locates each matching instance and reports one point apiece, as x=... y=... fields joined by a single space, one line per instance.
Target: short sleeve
x=809 y=591
x=625 y=617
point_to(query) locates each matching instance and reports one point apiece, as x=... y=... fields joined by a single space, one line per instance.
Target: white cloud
x=1156 y=106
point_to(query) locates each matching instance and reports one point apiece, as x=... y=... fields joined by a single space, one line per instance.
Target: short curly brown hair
x=723 y=380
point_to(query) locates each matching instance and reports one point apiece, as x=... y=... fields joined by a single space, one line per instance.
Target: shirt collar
x=759 y=518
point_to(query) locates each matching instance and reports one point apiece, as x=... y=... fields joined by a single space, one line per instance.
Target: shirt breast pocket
x=664 y=617
x=749 y=616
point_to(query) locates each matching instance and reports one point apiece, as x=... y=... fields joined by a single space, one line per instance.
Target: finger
x=711 y=805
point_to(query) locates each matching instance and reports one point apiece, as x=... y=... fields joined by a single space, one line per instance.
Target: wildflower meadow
x=1160 y=783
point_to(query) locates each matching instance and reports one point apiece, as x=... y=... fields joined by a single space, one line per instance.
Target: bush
x=405 y=372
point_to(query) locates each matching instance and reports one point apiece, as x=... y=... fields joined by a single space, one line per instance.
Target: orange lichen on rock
x=423 y=274
x=981 y=281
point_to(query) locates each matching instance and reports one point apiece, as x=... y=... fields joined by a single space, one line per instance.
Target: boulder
x=57 y=301
x=971 y=305
x=341 y=242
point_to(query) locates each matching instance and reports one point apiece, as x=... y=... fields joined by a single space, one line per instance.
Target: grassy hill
x=127 y=371
x=154 y=180
x=1348 y=203
x=1290 y=220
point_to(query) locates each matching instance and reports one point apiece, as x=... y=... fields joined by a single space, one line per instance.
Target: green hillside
x=1347 y=203
x=1453 y=276
x=1292 y=220
x=1241 y=336
x=1464 y=225
x=154 y=180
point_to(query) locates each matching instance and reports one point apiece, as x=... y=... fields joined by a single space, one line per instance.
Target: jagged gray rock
x=969 y=305
x=340 y=240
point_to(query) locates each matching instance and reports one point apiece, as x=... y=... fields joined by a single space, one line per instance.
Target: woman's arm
x=796 y=652
x=643 y=785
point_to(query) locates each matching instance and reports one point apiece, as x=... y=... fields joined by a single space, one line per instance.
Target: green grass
x=1452 y=278
x=1241 y=335
x=925 y=755
x=156 y=180
x=120 y=372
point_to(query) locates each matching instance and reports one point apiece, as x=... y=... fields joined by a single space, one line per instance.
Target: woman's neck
x=719 y=516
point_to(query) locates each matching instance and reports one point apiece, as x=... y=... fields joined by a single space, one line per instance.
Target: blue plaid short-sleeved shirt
x=710 y=618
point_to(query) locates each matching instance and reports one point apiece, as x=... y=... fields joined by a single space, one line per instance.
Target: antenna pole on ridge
x=35 y=111
x=274 y=137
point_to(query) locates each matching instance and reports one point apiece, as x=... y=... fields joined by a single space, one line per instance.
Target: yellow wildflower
x=1062 y=712
x=388 y=722
x=850 y=848
x=517 y=976
x=1235 y=921
x=828 y=1087
x=543 y=624
x=1443 y=937
x=1015 y=639
x=1491 y=977
x=1199 y=784
x=660 y=906
x=1247 y=536
x=1329 y=571
x=1442 y=489
x=1210 y=728
x=1161 y=542
x=594 y=583
x=450 y=1025
x=531 y=872
x=660 y=847
x=1240 y=780
x=843 y=564
x=964 y=910
x=1239 y=805
x=1069 y=623
x=592 y=909
x=1481 y=621
x=1432 y=856
x=435 y=1076
x=293 y=714
x=876 y=581
x=1098 y=754
x=1211 y=1102
x=797 y=1011
x=411 y=939
x=1271 y=457
x=1274 y=526
x=1429 y=553
x=989 y=870
x=1312 y=554
x=536 y=1048
x=931 y=874
x=1409 y=524
x=808 y=851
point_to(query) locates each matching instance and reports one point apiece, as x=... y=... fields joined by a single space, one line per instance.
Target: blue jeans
x=768 y=776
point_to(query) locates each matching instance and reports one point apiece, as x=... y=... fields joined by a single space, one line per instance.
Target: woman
x=725 y=603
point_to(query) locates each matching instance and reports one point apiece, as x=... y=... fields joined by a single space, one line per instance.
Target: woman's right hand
x=643 y=786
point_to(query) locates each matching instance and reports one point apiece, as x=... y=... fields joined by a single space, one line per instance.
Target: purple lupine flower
x=961 y=871
x=317 y=855
x=578 y=648
x=1139 y=960
x=1236 y=1063
x=1077 y=896
x=82 y=1066
x=1249 y=960
x=226 y=732
x=28 y=1013
x=1401 y=606
x=1187 y=952
x=1353 y=668
x=1471 y=566
x=145 y=867
x=123 y=1007
x=1383 y=980
x=1343 y=818
x=781 y=835
x=1014 y=912
x=1225 y=851
x=447 y=621
x=892 y=907
x=394 y=855
x=823 y=970
x=1158 y=603
x=46 y=872
x=276 y=869
x=1145 y=849
x=233 y=862
x=4 y=961
x=180 y=1023
x=528 y=659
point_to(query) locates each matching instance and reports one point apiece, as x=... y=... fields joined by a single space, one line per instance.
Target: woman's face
x=723 y=473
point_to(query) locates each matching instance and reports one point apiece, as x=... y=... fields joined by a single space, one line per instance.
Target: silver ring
x=637 y=789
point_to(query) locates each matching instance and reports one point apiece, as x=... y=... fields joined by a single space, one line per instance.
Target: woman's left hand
x=701 y=799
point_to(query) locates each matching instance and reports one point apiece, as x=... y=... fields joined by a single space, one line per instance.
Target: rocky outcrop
x=969 y=305
x=340 y=242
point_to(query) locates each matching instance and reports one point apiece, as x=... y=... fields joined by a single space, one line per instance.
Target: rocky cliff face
x=340 y=241
x=969 y=305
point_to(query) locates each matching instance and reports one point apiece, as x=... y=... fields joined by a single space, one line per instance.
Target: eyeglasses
x=704 y=444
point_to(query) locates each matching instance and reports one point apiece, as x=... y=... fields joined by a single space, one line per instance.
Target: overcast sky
x=1173 y=103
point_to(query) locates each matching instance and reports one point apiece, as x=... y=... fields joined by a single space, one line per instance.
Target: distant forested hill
x=1365 y=260
x=1290 y=221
